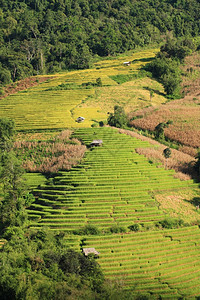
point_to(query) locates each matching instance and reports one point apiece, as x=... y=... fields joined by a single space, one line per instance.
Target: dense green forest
x=39 y=37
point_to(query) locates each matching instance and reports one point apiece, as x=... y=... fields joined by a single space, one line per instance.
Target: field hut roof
x=80 y=119
x=127 y=63
x=96 y=143
x=88 y=251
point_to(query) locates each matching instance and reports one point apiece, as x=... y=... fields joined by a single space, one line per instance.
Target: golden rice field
x=42 y=107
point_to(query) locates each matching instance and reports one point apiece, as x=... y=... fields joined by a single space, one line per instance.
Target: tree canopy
x=47 y=36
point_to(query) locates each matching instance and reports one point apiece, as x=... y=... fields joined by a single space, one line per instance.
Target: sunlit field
x=45 y=106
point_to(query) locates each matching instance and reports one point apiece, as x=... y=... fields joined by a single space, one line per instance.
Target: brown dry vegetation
x=185 y=113
x=181 y=162
x=23 y=84
x=180 y=205
x=60 y=153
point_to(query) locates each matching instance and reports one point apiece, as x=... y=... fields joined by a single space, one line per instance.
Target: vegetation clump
x=118 y=118
x=166 y=66
x=60 y=153
x=50 y=36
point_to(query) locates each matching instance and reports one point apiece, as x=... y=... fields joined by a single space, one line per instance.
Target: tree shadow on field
x=147 y=59
x=155 y=91
x=196 y=201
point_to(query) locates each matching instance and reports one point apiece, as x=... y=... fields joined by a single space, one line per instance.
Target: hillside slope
x=113 y=192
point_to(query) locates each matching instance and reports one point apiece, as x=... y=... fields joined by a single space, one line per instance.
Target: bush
x=119 y=118
x=5 y=76
x=117 y=229
x=170 y=223
x=88 y=230
x=135 y=227
x=94 y=125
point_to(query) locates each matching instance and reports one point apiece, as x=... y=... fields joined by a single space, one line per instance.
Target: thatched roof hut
x=88 y=251
x=96 y=143
x=80 y=119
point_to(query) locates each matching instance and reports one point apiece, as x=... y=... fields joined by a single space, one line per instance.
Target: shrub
x=119 y=118
x=88 y=230
x=1 y=92
x=170 y=223
x=117 y=229
x=135 y=227
x=5 y=76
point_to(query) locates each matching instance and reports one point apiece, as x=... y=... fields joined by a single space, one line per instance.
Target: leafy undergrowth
x=58 y=153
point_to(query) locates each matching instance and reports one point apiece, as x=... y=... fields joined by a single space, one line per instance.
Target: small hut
x=127 y=63
x=88 y=251
x=80 y=119
x=96 y=143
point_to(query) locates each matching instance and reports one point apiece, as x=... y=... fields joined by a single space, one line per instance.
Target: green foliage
x=168 y=72
x=1 y=92
x=54 y=35
x=99 y=82
x=177 y=49
x=117 y=229
x=5 y=76
x=38 y=265
x=88 y=230
x=119 y=118
x=159 y=130
x=122 y=78
x=135 y=227
x=170 y=223
x=7 y=131
x=167 y=152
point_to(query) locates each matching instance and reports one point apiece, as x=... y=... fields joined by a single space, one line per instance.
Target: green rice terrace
x=109 y=200
x=112 y=191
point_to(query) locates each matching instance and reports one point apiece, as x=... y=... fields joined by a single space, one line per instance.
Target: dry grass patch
x=181 y=162
x=183 y=112
x=179 y=205
x=185 y=116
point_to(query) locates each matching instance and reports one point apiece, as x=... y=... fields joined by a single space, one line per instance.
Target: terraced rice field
x=114 y=186
x=161 y=263
x=44 y=107
x=111 y=187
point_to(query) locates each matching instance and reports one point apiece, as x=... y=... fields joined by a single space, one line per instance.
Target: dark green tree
x=12 y=207
x=7 y=131
x=197 y=164
x=167 y=153
x=159 y=130
x=119 y=118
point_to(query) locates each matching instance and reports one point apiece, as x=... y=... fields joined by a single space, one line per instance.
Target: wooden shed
x=96 y=143
x=88 y=251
